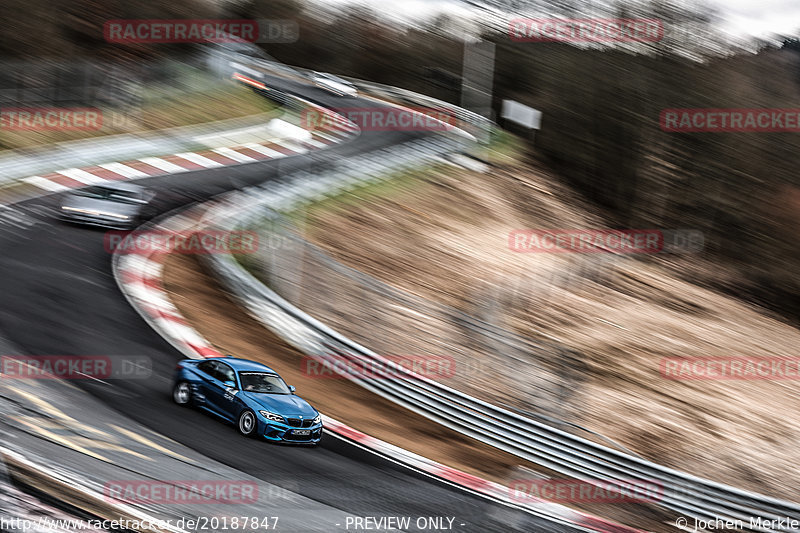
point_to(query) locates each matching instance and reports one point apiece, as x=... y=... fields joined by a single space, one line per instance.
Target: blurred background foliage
x=600 y=107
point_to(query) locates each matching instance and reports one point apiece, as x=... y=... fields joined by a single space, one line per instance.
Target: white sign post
x=523 y=115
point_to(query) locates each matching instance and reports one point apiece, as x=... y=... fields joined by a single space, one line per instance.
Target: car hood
x=282 y=404
x=103 y=206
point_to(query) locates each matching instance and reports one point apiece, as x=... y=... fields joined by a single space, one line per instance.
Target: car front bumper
x=97 y=220
x=278 y=432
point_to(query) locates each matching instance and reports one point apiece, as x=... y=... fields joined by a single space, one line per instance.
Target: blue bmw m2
x=250 y=395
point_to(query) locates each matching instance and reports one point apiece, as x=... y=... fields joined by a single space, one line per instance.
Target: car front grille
x=298 y=423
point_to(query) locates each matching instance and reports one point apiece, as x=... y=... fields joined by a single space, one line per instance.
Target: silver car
x=334 y=84
x=119 y=205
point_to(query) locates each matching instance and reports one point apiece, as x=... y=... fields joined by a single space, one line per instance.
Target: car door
x=212 y=375
x=226 y=395
x=205 y=377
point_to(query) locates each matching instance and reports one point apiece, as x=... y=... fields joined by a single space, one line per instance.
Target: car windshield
x=261 y=382
x=113 y=195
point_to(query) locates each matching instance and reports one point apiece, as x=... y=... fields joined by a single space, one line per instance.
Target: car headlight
x=272 y=416
x=317 y=419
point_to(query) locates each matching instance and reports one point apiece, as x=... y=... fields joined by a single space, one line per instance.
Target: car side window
x=209 y=367
x=225 y=373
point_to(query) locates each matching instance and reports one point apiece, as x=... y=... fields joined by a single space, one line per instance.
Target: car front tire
x=182 y=394
x=247 y=423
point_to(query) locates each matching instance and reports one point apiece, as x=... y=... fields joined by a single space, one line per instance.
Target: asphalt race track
x=60 y=298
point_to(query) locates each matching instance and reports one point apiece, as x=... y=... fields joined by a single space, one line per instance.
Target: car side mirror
x=292 y=388
x=229 y=384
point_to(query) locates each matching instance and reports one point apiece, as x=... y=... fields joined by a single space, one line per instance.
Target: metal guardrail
x=422 y=100
x=507 y=430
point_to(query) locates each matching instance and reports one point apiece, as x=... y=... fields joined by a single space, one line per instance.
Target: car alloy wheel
x=247 y=423
x=182 y=393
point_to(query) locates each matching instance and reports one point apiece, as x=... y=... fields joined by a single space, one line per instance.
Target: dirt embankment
x=446 y=238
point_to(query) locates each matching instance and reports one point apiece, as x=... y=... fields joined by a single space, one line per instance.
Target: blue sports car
x=250 y=395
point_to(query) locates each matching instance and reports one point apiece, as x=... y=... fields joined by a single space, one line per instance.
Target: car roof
x=245 y=365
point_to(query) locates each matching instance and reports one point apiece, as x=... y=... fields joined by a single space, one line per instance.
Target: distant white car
x=334 y=84
x=120 y=204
